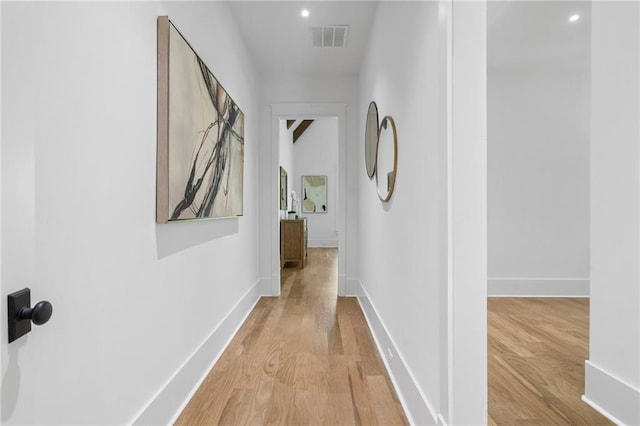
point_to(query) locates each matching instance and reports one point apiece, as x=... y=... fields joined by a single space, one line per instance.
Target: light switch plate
x=16 y=301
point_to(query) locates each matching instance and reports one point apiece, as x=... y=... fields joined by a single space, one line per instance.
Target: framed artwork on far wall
x=283 y=189
x=314 y=194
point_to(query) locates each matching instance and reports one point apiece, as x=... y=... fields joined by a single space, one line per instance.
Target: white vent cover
x=330 y=36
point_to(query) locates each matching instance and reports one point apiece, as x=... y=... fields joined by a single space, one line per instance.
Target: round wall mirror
x=387 y=158
x=371 y=139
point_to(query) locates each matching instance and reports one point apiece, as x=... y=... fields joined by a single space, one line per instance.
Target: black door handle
x=39 y=314
x=21 y=314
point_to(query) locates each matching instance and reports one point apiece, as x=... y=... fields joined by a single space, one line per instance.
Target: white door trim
x=290 y=111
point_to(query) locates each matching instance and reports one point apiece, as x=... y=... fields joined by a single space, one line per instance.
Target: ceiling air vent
x=330 y=36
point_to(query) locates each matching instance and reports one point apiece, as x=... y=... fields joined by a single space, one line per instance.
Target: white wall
x=132 y=300
x=2 y=306
x=613 y=369
x=399 y=240
x=423 y=254
x=538 y=156
x=316 y=153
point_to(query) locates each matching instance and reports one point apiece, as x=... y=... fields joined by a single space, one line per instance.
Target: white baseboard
x=165 y=407
x=612 y=397
x=538 y=287
x=415 y=404
x=322 y=243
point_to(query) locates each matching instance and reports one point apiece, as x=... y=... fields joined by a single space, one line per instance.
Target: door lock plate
x=16 y=301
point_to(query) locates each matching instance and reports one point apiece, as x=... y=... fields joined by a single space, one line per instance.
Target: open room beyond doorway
x=536 y=361
x=308 y=187
x=327 y=223
x=538 y=211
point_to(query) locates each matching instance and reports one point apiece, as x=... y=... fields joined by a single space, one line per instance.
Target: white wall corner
x=612 y=397
x=538 y=287
x=467 y=194
x=612 y=375
x=264 y=287
x=168 y=403
x=353 y=287
x=342 y=284
x=275 y=283
x=416 y=405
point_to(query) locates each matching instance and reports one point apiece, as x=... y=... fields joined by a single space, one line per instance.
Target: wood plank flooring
x=305 y=358
x=536 y=353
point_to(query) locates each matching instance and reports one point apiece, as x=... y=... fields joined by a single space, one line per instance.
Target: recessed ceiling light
x=574 y=18
x=304 y=13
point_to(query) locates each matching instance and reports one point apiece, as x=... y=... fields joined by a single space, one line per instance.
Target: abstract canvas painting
x=314 y=194
x=200 y=136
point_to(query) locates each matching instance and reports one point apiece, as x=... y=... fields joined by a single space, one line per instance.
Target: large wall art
x=200 y=136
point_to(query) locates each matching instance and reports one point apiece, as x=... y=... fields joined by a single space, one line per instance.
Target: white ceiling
x=538 y=33
x=280 y=38
x=520 y=34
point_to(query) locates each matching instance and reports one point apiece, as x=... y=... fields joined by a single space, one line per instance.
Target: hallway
x=304 y=358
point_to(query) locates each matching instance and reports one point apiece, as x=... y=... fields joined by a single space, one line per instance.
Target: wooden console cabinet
x=293 y=241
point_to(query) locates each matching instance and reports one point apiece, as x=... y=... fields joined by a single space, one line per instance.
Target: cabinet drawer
x=293 y=241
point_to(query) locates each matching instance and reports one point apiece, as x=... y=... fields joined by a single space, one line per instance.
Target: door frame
x=293 y=111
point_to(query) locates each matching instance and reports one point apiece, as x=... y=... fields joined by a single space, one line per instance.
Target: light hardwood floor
x=536 y=353
x=304 y=358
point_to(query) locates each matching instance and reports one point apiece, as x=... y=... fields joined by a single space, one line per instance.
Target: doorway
x=331 y=115
x=538 y=105
x=308 y=188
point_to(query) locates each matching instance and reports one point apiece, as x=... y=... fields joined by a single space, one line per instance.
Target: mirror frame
x=388 y=119
x=371 y=144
